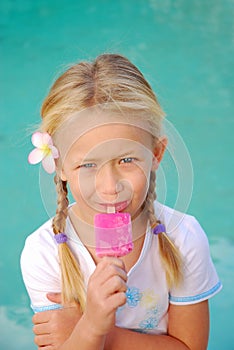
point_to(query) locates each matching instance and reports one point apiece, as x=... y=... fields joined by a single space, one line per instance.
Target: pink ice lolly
x=113 y=233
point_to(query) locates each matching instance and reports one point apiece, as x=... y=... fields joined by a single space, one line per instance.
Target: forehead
x=109 y=141
x=87 y=129
x=114 y=132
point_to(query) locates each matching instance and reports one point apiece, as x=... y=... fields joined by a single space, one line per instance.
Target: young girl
x=101 y=132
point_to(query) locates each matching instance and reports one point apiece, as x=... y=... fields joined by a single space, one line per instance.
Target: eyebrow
x=80 y=160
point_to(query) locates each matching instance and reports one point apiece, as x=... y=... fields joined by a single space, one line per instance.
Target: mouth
x=115 y=207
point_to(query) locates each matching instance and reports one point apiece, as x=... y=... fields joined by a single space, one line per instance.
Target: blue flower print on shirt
x=133 y=295
x=149 y=323
x=153 y=311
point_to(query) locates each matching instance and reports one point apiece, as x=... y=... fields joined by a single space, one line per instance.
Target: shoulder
x=200 y=279
x=40 y=266
x=173 y=219
x=40 y=249
x=41 y=237
x=183 y=229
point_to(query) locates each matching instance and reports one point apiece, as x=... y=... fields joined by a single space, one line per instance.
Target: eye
x=127 y=160
x=87 y=166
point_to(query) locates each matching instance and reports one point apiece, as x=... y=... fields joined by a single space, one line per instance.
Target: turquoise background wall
x=185 y=49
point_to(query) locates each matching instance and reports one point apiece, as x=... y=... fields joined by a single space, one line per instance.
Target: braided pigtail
x=72 y=279
x=169 y=253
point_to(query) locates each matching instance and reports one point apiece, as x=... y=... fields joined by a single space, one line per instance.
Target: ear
x=59 y=170
x=62 y=175
x=158 y=152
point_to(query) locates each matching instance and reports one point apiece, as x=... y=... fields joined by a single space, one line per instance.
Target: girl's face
x=108 y=169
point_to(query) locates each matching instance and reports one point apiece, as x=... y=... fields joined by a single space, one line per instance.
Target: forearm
x=83 y=338
x=125 y=339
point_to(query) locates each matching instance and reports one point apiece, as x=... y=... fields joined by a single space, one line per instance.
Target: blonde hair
x=110 y=78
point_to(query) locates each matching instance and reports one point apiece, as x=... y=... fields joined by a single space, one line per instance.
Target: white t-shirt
x=148 y=296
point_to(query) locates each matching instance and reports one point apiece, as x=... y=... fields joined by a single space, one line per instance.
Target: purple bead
x=159 y=229
x=60 y=238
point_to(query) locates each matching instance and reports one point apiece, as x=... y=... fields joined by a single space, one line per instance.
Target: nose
x=108 y=182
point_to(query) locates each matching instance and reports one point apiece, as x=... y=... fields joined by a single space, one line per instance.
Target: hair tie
x=159 y=229
x=60 y=238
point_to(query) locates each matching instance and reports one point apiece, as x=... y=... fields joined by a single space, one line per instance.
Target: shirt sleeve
x=200 y=279
x=40 y=269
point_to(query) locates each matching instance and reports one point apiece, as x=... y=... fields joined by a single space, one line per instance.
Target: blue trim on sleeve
x=46 y=308
x=196 y=297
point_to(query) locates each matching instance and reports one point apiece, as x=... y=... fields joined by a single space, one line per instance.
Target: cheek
x=84 y=183
x=140 y=182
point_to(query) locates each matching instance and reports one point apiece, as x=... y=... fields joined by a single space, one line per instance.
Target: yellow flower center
x=46 y=150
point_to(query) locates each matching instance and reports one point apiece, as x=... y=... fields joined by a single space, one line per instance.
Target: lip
x=116 y=206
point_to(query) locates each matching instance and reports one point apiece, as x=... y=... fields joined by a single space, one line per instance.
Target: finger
x=114 y=285
x=41 y=317
x=43 y=340
x=112 y=260
x=113 y=270
x=116 y=300
x=108 y=268
x=40 y=329
x=54 y=297
x=111 y=279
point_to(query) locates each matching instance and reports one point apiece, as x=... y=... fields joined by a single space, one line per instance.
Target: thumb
x=54 y=297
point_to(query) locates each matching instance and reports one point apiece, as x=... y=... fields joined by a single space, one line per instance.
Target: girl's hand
x=52 y=328
x=106 y=292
